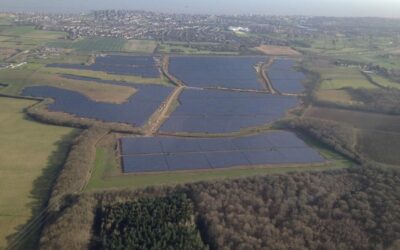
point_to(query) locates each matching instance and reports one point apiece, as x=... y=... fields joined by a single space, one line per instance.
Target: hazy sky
x=384 y=8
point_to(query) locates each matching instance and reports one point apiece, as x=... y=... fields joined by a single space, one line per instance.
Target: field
x=380 y=146
x=277 y=50
x=103 y=75
x=179 y=48
x=6 y=53
x=4 y=20
x=385 y=82
x=140 y=46
x=26 y=37
x=377 y=134
x=106 y=45
x=377 y=50
x=334 y=77
x=363 y=120
x=30 y=154
x=142 y=66
x=335 y=96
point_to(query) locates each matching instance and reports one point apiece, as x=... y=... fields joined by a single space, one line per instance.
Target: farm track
x=264 y=76
x=164 y=69
x=163 y=112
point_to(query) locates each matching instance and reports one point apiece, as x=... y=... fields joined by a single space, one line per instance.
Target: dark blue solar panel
x=135 y=111
x=144 y=163
x=288 y=86
x=216 y=144
x=216 y=111
x=300 y=155
x=126 y=60
x=253 y=142
x=230 y=72
x=140 y=145
x=144 y=66
x=264 y=157
x=227 y=159
x=285 y=139
x=285 y=78
x=187 y=161
x=173 y=145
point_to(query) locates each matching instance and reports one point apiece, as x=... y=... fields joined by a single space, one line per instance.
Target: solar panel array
x=229 y=72
x=153 y=154
x=284 y=77
x=217 y=111
x=144 y=66
x=136 y=110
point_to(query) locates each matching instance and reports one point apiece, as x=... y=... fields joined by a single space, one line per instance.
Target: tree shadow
x=27 y=235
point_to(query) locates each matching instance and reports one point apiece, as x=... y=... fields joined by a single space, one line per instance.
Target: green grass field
x=30 y=153
x=26 y=37
x=106 y=45
x=179 y=48
x=5 y=19
x=376 y=50
x=335 y=96
x=333 y=78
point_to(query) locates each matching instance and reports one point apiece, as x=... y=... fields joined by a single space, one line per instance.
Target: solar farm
x=169 y=154
x=213 y=96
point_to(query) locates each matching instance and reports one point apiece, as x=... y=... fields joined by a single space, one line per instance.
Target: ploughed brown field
x=277 y=50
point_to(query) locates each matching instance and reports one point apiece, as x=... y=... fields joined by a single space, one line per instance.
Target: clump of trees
x=357 y=208
x=70 y=228
x=150 y=223
x=77 y=168
x=338 y=136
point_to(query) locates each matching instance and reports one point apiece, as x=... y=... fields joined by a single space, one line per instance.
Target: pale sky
x=375 y=8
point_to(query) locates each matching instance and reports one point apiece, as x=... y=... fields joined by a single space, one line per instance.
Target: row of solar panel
x=157 y=145
x=215 y=160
